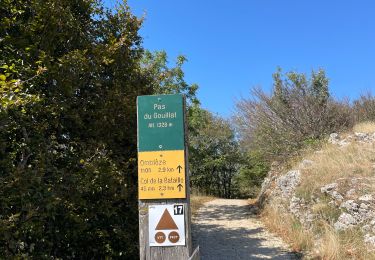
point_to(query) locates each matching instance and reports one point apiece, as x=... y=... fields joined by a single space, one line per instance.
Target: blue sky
x=232 y=46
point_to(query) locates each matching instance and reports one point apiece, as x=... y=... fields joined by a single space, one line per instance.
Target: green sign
x=160 y=123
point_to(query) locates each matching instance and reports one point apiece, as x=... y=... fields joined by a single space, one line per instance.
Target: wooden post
x=195 y=255
x=148 y=252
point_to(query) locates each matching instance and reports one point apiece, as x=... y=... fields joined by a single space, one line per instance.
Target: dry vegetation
x=197 y=201
x=323 y=243
x=334 y=163
x=288 y=228
x=331 y=164
x=365 y=127
x=342 y=245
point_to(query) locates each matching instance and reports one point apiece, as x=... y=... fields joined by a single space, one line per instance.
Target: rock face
x=288 y=182
x=345 y=221
x=331 y=190
x=334 y=138
x=349 y=199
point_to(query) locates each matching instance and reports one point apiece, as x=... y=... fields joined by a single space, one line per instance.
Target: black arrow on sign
x=179 y=186
x=179 y=168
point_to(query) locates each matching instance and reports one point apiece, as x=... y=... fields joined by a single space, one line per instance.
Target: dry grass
x=365 y=127
x=332 y=245
x=329 y=244
x=342 y=245
x=338 y=164
x=333 y=163
x=323 y=210
x=288 y=228
x=197 y=201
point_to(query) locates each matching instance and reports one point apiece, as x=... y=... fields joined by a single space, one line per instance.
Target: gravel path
x=225 y=229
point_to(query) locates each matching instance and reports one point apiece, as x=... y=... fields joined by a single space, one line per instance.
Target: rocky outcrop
x=349 y=198
x=335 y=138
x=288 y=182
x=331 y=190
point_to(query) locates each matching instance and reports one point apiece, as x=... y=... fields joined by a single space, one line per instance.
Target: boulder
x=334 y=138
x=288 y=182
x=369 y=240
x=350 y=206
x=367 y=198
x=306 y=163
x=345 y=221
x=329 y=188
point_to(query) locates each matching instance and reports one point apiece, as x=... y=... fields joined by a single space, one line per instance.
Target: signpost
x=163 y=183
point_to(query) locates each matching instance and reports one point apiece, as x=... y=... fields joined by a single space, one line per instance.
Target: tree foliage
x=167 y=80
x=70 y=72
x=214 y=154
x=253 y=170
x=276 y=126
x=299 y=111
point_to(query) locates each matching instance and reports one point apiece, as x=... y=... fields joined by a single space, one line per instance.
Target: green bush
x=250 y=176
x=214 y=154
x=70 y=74
x=298 y=111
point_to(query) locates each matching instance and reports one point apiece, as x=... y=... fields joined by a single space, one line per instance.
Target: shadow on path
x=224 y=229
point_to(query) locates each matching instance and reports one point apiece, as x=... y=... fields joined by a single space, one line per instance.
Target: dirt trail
x=225 y=229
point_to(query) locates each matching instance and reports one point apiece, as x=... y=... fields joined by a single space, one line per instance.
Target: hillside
x=325 y=204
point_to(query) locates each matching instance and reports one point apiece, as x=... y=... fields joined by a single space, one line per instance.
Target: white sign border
x=154 y=215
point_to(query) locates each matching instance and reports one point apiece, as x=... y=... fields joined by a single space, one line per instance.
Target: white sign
x=166 y=225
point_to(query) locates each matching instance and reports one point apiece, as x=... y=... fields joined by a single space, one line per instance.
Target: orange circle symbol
x=174 y=237
x=160 y=237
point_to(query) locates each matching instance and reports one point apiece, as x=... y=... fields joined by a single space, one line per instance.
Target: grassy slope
x=331 y=164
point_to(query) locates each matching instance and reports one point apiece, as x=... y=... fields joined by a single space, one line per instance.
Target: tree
x=70 y=72
x=253 y=170
x=214 y=154
x=168 y=80
x=299 y=111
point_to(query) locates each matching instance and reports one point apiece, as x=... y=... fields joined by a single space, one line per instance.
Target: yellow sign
x=161 y=175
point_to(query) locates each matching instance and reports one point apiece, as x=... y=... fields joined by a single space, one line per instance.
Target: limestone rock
x=366 y=228
x=329 y=188
x=306 y=163
x=350 y=193
x=336 y=196
x=345 y=221
x=367 y=198
x=364 y=137
x=288 y=182
x=334 y=138
x=296 y=205
x=369 y=240
x=350 y=206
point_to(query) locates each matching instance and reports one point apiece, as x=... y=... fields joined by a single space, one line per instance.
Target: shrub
x=298 y=111
x=251 y=174
x=364 y=108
